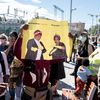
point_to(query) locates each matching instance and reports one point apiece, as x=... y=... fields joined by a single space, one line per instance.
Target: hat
x=85 y=31
x=3 y=36
x=37 y=32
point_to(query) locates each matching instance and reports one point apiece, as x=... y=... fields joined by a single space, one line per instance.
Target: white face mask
x=82 y=39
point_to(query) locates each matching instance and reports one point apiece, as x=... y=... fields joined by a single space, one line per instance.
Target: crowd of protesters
x=87 y=49
x=13 y=71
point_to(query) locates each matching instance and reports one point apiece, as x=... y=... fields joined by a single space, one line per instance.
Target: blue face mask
x=98 y=45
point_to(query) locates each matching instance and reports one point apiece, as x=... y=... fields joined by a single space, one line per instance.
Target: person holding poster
x=58 y=54
x=36 y=70
x=37 y=63
x=35 y=48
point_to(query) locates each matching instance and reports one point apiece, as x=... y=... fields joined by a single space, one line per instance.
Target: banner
x=48 y=28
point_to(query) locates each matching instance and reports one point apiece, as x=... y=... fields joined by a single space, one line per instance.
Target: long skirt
x=57 y=72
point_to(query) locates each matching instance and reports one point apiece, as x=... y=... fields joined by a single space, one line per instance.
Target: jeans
x=18 y=93
x=7 y=95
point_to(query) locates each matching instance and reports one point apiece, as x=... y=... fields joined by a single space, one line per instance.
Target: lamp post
x=97 y=23
x=71 y=10
x=96 y=19
x=97 y=29
x=92 y=16
x=70 y=15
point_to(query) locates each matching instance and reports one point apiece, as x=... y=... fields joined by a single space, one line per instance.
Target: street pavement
x=67 y=82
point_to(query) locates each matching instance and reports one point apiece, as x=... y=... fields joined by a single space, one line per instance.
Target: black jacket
x=32 y=54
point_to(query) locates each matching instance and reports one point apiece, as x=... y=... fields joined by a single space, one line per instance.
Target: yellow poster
x=48 y=29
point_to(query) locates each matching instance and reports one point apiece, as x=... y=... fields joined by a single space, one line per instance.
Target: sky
x=46 y=8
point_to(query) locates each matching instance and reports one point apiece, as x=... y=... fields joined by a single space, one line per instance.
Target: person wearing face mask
x=3 y=42
x=84 y=50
